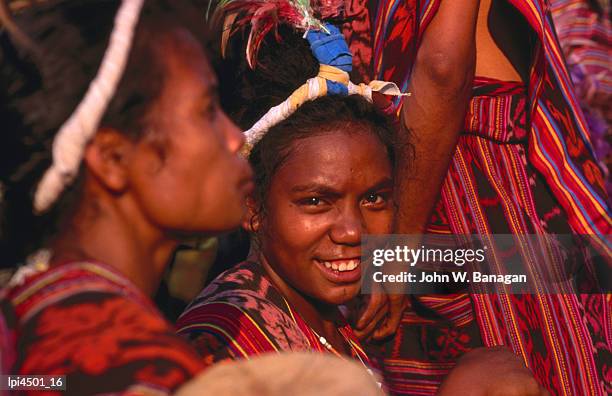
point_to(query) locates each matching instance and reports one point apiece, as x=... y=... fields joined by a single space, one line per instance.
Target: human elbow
x=446 y=71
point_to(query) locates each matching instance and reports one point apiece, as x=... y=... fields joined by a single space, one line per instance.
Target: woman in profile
x=113 y=148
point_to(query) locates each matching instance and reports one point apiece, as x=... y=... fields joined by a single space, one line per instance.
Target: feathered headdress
x=327 y=44
x=264 y=16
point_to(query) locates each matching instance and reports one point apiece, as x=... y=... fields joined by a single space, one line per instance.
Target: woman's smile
x=340 y=270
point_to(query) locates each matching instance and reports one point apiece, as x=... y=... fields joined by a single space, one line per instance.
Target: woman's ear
x=106 y=158
x=251 y=220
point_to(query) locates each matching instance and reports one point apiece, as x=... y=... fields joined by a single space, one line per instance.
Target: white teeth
x=342 y=266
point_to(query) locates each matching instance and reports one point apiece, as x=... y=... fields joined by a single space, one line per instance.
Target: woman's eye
x=311 y=201
x=374 y=199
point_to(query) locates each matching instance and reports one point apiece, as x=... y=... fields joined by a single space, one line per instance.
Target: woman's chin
x=342 y=295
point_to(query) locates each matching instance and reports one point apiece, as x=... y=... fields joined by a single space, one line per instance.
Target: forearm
x=433 y=116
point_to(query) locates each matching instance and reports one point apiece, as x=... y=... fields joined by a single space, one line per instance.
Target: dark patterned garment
x=241 y=314
x=524 y=165
x=89 y=323
x=434 y=332
x=357 y=32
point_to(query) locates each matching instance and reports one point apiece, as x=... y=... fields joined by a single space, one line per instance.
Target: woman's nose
x=348 y=228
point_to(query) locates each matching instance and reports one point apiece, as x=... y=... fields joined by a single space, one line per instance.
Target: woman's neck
x=323 y=319
x=138 y=251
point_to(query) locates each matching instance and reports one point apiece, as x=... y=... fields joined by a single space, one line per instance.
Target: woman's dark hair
x=284 y=65
x=39 y=91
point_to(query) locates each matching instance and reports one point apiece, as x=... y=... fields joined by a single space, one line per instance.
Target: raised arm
x=433 y=116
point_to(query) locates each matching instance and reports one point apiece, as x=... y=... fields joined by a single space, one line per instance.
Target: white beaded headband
x=74 y=135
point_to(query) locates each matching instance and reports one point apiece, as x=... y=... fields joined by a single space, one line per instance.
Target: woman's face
x=332 y=189
x=198 y=182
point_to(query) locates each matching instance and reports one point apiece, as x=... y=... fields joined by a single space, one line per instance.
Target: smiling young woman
x=323 y=178
x=320 y=202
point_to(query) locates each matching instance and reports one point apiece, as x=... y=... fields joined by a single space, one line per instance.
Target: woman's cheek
x=379 y=222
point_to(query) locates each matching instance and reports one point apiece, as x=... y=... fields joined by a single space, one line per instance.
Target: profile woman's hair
x=41 y=85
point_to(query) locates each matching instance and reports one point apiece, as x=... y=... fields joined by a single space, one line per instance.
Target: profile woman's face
x=195 y=181
x=332 y=189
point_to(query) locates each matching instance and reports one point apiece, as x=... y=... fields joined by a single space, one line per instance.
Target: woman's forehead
x=188 y=73
x=336 y=157
x=182 y=52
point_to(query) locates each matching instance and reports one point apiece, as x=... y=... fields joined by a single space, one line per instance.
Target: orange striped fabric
x=524 y=165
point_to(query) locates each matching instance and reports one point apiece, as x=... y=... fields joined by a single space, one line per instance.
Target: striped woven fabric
x=524 y=165
x=427 y=346
x=242 y=314
x=585 y=33
x=560 y=146
x=88 y=322
x=492 y=189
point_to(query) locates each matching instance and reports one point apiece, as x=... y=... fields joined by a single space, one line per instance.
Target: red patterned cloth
x=357 y=32
x=584 y=29
x=434 y=332
x=558 y=139
x=241 y=314
x=89 y=323
x=524 y=165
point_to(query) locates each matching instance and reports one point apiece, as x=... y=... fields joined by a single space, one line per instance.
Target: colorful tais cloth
x=558 y=139
x=7 y=339
x=88 y=322
x=434 y=332
x=524 y=165
x=584 y=29
x=491 y=188
x=241 y=314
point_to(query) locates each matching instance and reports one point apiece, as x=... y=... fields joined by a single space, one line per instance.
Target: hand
x=491 y=372
x=381 y=316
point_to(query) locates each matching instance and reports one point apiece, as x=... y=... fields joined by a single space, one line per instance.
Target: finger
x=367 y=330
x=394 y=317
x=384 y=330
x=374 y=304
x=376 y=321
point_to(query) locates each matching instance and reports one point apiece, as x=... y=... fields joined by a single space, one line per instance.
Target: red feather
x=264 y=16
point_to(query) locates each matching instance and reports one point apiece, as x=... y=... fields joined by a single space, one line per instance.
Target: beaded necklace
x=306 y=328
